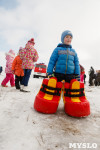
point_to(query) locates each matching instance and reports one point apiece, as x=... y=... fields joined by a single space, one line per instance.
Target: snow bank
x=22 y=128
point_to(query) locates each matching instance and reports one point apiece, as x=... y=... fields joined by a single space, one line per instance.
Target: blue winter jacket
x=63 y=60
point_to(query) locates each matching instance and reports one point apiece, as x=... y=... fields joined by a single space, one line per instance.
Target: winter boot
x=47 y=99
x=4 y=85
x=25 y=89
x=75 y=102
x=21 y=87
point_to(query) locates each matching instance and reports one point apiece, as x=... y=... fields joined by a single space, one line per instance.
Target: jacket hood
x=10 y=53
x=29 y=47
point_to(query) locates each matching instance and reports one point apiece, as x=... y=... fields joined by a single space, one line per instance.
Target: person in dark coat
x=97 y=78
x=1 y=69
x=84 y=78
x=91 y=76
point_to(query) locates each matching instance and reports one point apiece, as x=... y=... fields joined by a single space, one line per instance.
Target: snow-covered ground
x=22 y=128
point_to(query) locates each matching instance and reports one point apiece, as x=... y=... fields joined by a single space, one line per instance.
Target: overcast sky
x=45 y=20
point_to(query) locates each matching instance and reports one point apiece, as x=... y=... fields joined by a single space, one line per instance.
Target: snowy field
x=22 y=128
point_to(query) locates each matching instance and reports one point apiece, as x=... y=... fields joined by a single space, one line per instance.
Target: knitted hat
x=31 y=40
x=11 y=53
x=65 y=33
x=20 y=49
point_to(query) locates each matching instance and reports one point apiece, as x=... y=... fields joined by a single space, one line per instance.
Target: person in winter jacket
x=9 y=73
x=82 y=72
x=64 y=63
x=1 y=69
x=17 y=69
x=28 y=55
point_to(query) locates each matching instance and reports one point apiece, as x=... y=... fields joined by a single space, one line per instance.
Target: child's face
x=31 y=43
x=67 y=40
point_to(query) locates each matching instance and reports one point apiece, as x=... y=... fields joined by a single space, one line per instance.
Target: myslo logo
x=83 y=145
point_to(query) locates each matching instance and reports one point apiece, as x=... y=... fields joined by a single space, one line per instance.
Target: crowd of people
x=94 y=77
x=21 y=66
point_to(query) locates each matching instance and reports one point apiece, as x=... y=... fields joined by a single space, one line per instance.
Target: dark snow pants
x=18 y=80
x=25 y=80
x=66 y=77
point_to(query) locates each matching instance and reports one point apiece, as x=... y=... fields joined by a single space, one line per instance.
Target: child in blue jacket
x=64 y=63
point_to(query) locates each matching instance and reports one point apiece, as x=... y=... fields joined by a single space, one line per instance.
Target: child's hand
x=13 y=71
x=77 y=77
x=50 y=75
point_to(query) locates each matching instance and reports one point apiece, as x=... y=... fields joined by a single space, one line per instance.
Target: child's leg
x=59 y=76
x=27 y=76
x=21 y=78
x=7 y=78
x=69 y=77
x=12 y=80
x=17 y=79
